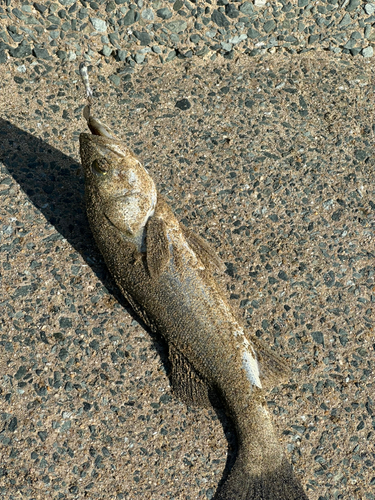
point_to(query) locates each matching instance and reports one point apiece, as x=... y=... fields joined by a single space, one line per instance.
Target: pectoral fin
x=187 y=385
x=273 y=369
x=157 y=246
x=203 y=250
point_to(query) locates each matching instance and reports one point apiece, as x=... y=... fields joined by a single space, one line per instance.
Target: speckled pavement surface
x=272 y=163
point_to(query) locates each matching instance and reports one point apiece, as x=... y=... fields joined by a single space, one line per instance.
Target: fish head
x=117 y=186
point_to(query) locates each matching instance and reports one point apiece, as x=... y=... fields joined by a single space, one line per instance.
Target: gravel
x=188 y=29
x=266 y=149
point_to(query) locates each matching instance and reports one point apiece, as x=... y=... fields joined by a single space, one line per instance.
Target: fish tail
x=279 y=483
x=261 y=471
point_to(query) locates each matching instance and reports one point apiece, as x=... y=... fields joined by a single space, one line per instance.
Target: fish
x=167 y=273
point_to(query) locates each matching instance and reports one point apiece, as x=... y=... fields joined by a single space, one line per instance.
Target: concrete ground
x=271 y=160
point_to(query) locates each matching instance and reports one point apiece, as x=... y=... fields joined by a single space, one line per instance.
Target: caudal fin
x=279 y=483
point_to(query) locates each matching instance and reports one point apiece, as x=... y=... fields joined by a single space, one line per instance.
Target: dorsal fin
x=203 y=250
x=273 y=369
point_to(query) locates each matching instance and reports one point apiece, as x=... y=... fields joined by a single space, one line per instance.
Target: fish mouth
x=96 y=126
x=98 y=141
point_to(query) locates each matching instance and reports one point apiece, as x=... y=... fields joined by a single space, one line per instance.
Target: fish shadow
x=53 y=182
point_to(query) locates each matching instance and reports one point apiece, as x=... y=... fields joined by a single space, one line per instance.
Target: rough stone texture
x=293 y=27
x=273 y=164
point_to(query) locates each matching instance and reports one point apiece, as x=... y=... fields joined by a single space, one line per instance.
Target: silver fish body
x=166 y=274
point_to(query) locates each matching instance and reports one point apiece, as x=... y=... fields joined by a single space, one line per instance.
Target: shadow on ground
x=54 y=184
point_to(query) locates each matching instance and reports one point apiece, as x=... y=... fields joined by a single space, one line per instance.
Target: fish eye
x=98 y=167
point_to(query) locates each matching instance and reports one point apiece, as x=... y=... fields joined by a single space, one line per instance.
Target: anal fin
x=187 y=384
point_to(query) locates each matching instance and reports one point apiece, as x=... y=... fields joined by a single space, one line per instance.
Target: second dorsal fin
x=203 y=250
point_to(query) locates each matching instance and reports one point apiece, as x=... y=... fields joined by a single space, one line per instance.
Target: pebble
x=115 y=79
x=177 y=26
x=369 y=8
x=67 y=3
x=23 y=50
x=148 y=15
x=41 y=53
x=40 y=7
x=129 y=18
x=156 y=49
x=237 y=39
x=164 y=13
x=139 y=57
x=183 y=104
x=368 y=52
x=121 y=55
x=143 y=37
x=219 y=19
x=226 y=46
x=99 y=24
x=353 y=4
x=106 y=51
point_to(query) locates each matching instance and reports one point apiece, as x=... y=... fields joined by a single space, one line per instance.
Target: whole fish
x=166 y=273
